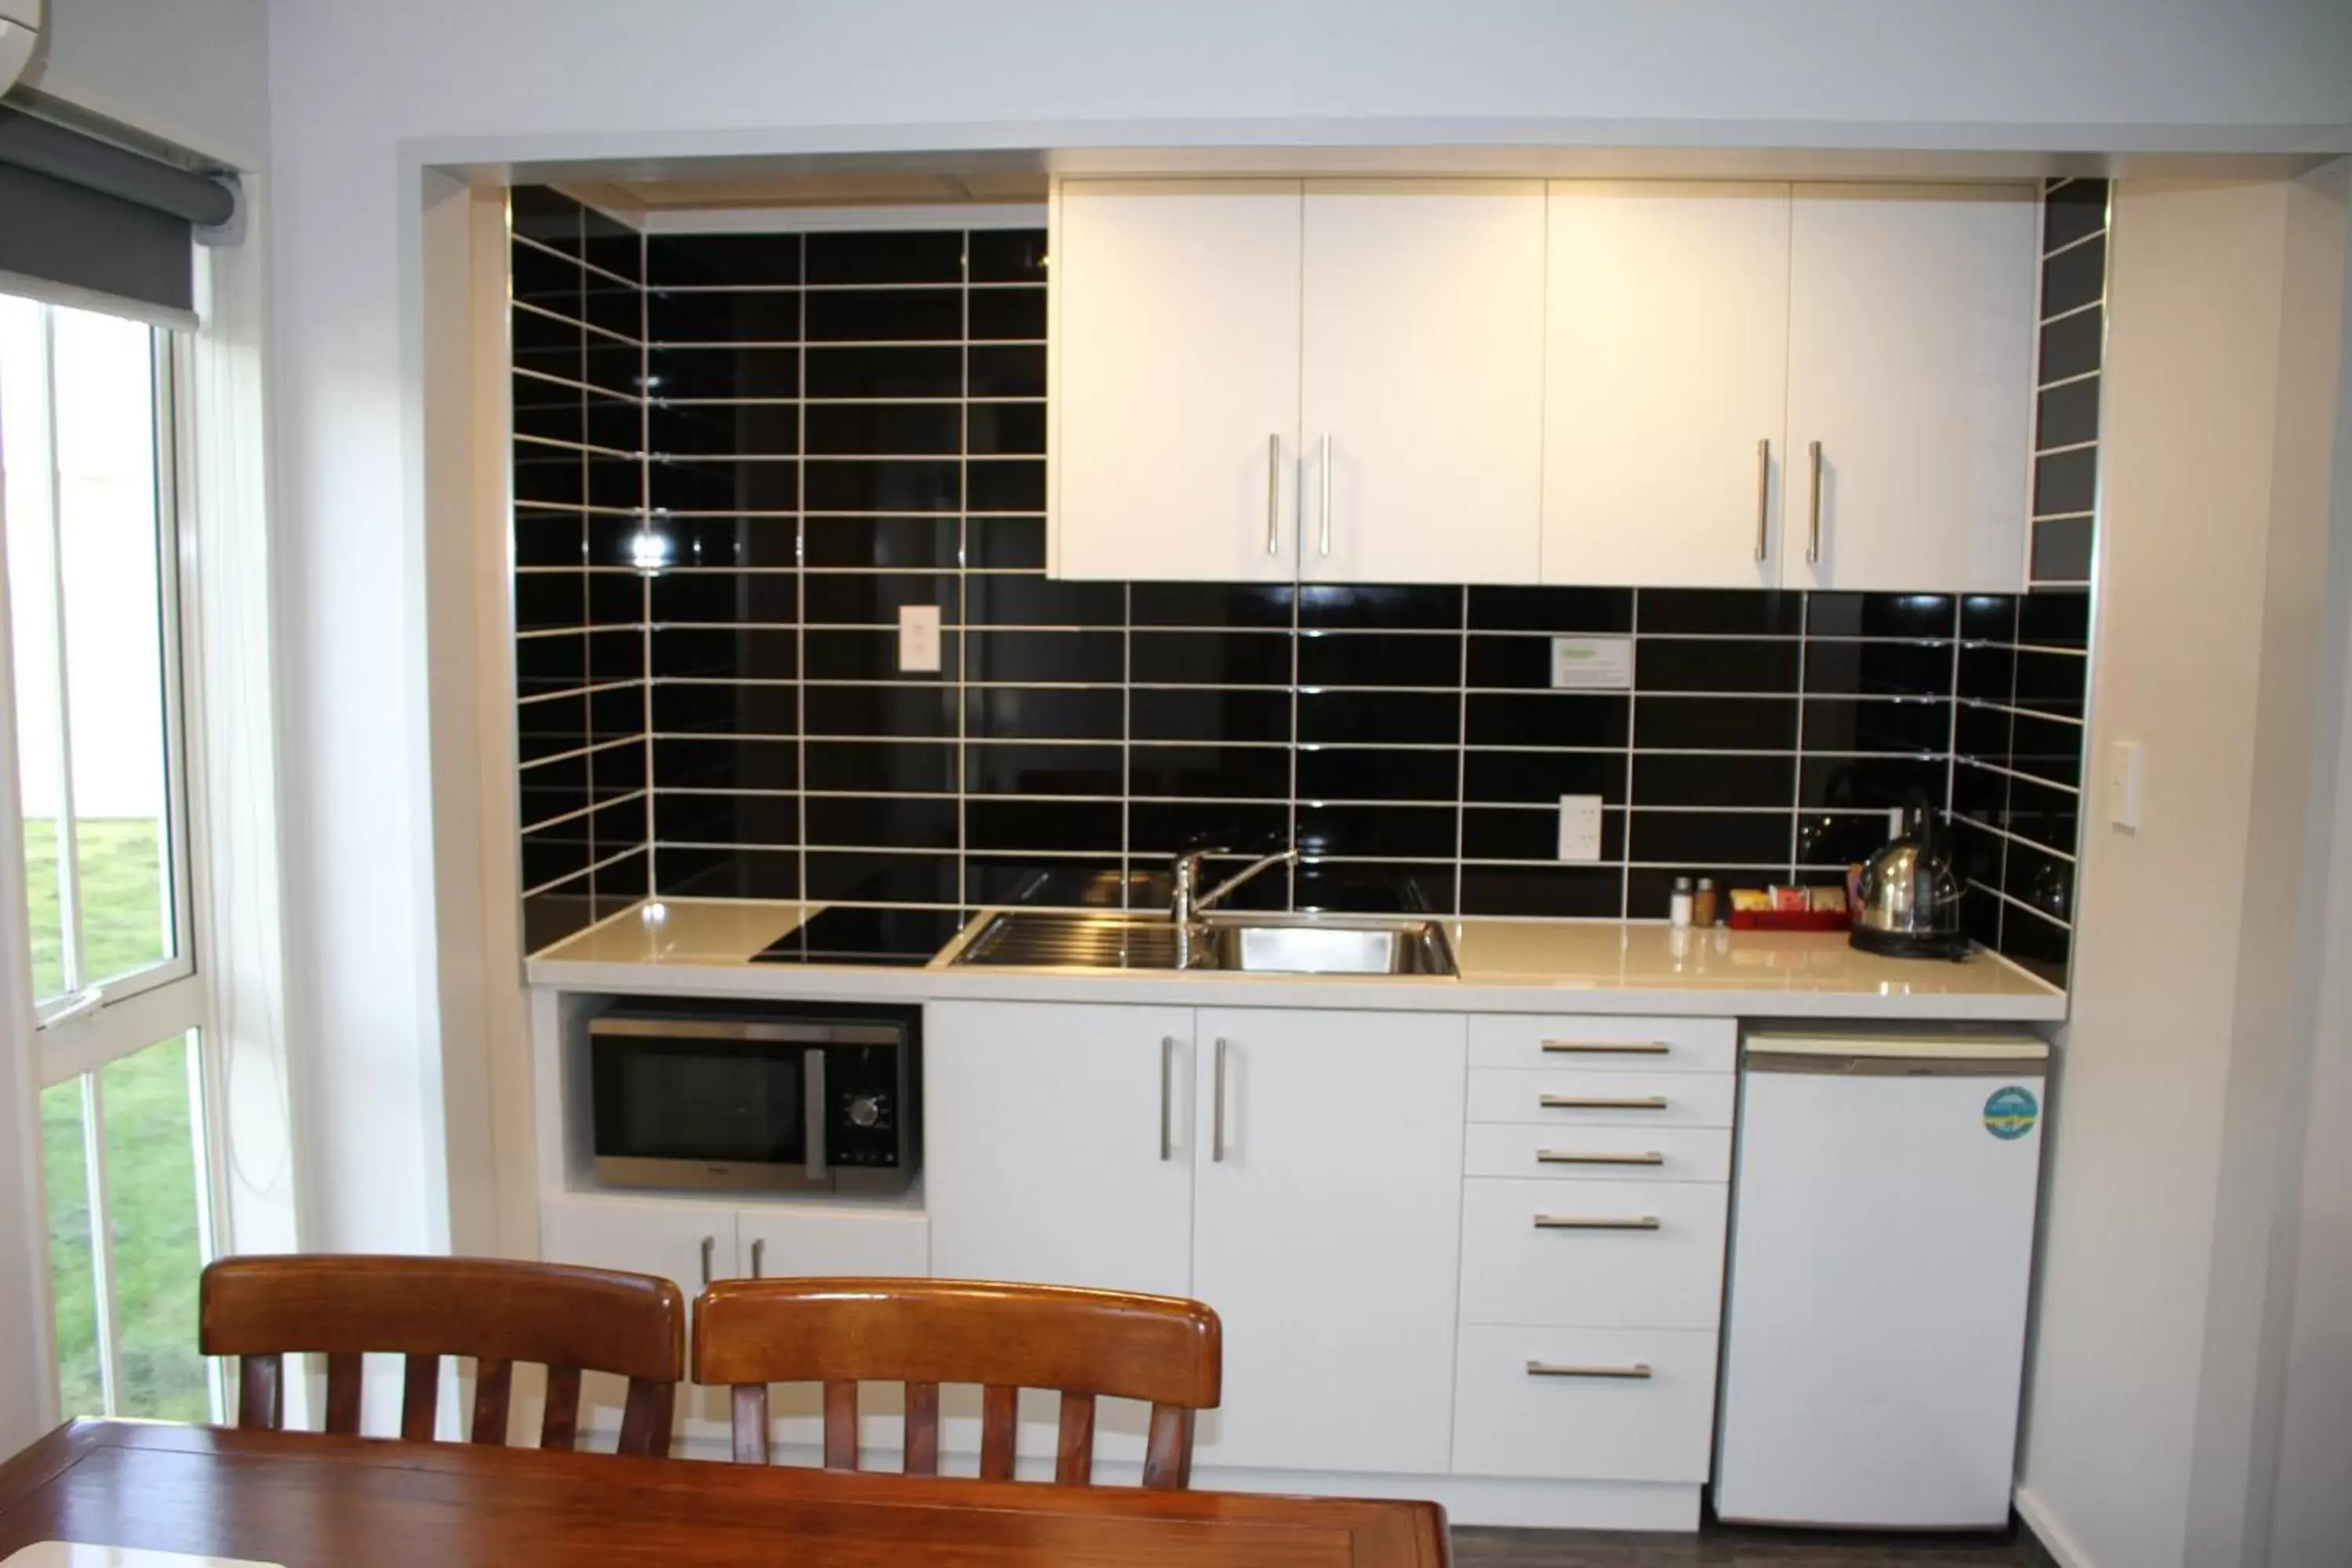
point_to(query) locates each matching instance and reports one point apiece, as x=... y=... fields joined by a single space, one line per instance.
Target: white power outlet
x=1580 y=827
x=2124 y=785
x=918 y=638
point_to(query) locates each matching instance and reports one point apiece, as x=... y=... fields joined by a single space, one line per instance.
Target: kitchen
x=718 y=487
x=1124 y=631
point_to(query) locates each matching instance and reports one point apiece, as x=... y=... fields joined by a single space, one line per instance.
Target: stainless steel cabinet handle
x=1575 y=1157
x=1272 y=495
x=1640 y=1369
x=1602 y=1103
x=1763 y=491
x=1813 y=539
x=1167 y=1073
x=1596 y=1222
x=709 y=1249
x=1607 y=1047
x=1326 y=494
x=1217 y=1109
x=813 y=1113
x=758 y=1255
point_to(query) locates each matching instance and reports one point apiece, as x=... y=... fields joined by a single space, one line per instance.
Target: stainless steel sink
x=1263 y=944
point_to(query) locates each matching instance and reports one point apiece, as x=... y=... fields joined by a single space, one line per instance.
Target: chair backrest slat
x=420 y=1398
x=559 y=1420
x=1167 y=1452
x=748 y=1333
x=645 y=1418
x=494 y=1312
x=346 y=1375
x=922 y=1430
x=1000 y=1425
x=1074 y=1442
x=840 y=1424
x=493 y=1385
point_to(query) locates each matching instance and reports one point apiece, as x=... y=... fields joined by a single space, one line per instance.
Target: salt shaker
x=1678 y=906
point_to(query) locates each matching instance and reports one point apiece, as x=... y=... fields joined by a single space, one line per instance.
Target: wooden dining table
x=309 y=1500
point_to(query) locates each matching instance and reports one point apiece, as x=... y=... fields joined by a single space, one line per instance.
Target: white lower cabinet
x=851 y=1239
x=1326 y=1221
x=1601 y=1404
x=1595 y=1253
x=1055 y=1146
x=691 y=1243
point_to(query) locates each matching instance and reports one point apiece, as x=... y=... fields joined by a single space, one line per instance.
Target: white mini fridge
x=1882 y=1248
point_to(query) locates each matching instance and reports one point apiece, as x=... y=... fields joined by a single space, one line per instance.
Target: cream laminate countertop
x=704 y=947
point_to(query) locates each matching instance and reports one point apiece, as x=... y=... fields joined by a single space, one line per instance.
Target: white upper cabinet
x=1667 y=366
x=1174 y=387
x=1910 y=357
x=1420 y=397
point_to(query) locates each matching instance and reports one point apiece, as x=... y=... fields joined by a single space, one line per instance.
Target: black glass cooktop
x=848 y=934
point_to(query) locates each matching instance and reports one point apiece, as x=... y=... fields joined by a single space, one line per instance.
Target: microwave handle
x=812 y=1110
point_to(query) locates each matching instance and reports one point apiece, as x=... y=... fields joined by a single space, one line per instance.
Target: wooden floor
x=1720 y=1547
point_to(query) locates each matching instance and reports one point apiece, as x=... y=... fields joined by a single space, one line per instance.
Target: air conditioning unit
x=20 y=33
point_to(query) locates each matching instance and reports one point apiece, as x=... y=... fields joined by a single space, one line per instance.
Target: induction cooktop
x=847 y=933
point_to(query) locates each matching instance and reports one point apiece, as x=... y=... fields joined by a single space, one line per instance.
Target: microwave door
x=699 y=1112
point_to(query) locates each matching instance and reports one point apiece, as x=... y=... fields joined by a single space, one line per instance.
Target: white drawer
x=1597 y=1255
x=1567 y=1040
x=1653 y=1421
x=1641 y=1098
x=1612 y=1153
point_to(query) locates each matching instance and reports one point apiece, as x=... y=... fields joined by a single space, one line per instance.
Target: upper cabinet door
x=1910 y=360
x=1175 y=381
x=1422 y=399
x=1666 y=371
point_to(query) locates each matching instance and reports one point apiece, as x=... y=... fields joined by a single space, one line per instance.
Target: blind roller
x=89 y=215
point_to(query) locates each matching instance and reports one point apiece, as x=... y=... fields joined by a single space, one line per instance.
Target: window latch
x=66 y=1009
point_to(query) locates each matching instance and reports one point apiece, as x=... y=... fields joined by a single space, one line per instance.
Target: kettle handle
x=1919 y=819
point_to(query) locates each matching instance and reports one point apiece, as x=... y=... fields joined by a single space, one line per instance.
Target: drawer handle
x=1602 y=1103
x=1577 y=1157
x=1607 y=1047
x=1640 y=1369
x=1604 y=1221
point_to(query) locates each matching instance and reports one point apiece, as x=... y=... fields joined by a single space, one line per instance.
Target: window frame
x=94 y=1023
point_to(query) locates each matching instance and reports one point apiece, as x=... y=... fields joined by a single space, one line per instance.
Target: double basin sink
x=1238 y=945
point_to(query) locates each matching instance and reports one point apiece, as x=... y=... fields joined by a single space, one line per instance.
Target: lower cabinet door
x=1600 y=1254
x=1056 y=1150
x=853 y=1239
x=1326 y=1228
x=690 y=1243
x=1593 y=1404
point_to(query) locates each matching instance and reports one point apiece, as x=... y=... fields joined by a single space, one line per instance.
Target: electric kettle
x=1908 y=903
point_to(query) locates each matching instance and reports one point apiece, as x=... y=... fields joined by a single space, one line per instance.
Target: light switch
x=2124 y=785
x=1580 y=827
x=918 y=638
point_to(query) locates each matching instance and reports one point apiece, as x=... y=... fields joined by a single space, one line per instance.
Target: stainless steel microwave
x=721 y=1095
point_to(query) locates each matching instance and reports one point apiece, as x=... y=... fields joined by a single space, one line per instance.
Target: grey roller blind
x=89 y=215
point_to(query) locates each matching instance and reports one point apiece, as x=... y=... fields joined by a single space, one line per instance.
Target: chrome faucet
x=1190 y=902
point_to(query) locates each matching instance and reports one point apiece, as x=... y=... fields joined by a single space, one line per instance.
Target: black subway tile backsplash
x=804 y=436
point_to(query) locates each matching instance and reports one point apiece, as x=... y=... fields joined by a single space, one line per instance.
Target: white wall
x=193 y=72
x=2311 y=1504
x=2153 y=1370
x=360 y=88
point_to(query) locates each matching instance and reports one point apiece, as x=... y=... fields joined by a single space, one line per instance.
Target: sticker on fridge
x=2010 y=1111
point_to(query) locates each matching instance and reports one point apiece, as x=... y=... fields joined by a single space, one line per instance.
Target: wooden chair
x=748 y=1333
x=496 y=1312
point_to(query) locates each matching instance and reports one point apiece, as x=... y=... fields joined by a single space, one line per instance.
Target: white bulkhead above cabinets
x=1648 y=384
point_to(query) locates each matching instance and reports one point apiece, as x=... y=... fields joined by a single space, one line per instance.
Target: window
x=88 y=487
